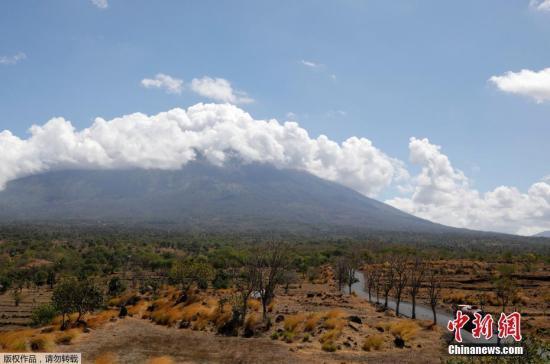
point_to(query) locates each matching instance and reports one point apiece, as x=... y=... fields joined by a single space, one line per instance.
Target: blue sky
x=385 y=70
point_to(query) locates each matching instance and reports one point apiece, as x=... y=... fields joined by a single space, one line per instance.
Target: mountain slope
x=202 y=196
x=543 y=234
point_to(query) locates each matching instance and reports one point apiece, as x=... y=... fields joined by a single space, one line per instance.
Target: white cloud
x=16 y=58
x=102 y=4
x=162 y=81
x=444 y=194
x=171 y=139
x=542 y=5
x=219 y=89
x=311 y=64
x=219 y=132
x=526 y=83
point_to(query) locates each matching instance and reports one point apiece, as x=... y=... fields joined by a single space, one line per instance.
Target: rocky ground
x=351 y=320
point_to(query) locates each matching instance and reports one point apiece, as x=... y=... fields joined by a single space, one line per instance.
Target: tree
x=86 y=298
x=62 y=299
x=289 y=277
x=51 y=278
x=340 y=272
x=388 y=278
x=369 y=280
x=416 y=274
x=191 y=271
x=505 y=290
x=376 y=278
x=401 y=279
x=71 y=296
x=434 y=290
x=245 y=281
x=271 y=262
x=351 y=266
x=116 y=286
x=505 y=287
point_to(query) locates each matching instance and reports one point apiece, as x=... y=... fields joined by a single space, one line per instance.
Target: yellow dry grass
x=252 y=320
x=407 y=329
x=15 y=341
x=100 y=318
x=373 y=342
x=336 y=313
x=106 y=358
x=312 y=321
x=330 y=336
x=254 y=304
x=161 y=360
x=292 y=322
x=139 y=308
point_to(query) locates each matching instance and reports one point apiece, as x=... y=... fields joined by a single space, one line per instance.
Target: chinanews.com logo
x=484 y=336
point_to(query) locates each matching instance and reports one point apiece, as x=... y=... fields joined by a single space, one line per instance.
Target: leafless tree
x=369 y=280
x=434 y=290
x=351 y=266
x=416 y=275
x=388 y=279
x=271 y=263
x=340 y=272
x=289 y=277
x=401 y=279
x=376 y=282
x=245 y=281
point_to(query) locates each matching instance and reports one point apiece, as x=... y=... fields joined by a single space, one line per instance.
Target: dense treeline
x=41 y=255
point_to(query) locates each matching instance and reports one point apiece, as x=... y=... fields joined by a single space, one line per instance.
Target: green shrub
x=43 y=315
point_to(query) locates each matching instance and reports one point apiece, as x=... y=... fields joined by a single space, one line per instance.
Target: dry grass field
x=12 y=316
x=310 y=323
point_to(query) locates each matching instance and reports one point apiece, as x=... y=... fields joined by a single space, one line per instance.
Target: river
x=423 y=312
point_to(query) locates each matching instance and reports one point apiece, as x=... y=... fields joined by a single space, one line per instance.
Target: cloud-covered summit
x=222 y=132
x=171 y=139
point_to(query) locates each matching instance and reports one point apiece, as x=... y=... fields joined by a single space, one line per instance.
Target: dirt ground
x=135 y=340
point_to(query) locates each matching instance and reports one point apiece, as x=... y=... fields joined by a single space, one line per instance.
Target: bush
x=43 y=315
x=373 y=342
x=116 y=286
x=291 y=322
x=329 y=346
x=405 y=329
x=221 y=280
x=64 y=339
x=38 y=344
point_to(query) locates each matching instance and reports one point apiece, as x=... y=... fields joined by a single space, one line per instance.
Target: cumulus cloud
x=102 y=4
x=526 y=83
x=219 y=89
x=542 y=5
x=444 y=194
x=170 y=84
x=171 y=139
x=221 y=132
x=16 y=58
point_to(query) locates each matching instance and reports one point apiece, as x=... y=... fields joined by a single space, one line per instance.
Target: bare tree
x=434 y=290
x=245 y=281
x=416 y=275
x=340 y=272
x=388 y=281
x=376 y=277
x=352 y=264
x=369 y=281
x=271 y=263
x=401 y=279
